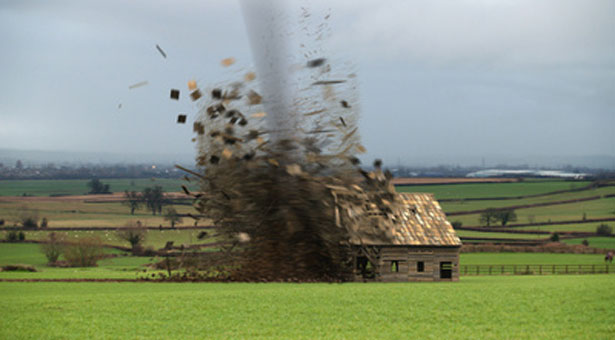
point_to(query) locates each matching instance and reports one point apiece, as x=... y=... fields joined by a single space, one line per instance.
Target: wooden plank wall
x=408 y=257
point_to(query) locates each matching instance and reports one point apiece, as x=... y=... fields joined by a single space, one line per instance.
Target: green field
x=596 y=242
x=471 y=233
x=462 y=205
x=154 y=238
x=475 y=190
x=83 y=214
x=128 y=267
x=78 y=186
x=602 y=208
x=529 y=258
x=521 y=307
x=584 y=227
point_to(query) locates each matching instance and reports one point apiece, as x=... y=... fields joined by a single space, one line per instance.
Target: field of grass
x=79 y=187
x=127 y=266
x=83 y=214
x=602 y=208
x=514 y=189
x=471 y=233
x=530 y=258
x=584 y=227
x=521 y=307
x=478 y=205
x=596 y=242
x=154 y=238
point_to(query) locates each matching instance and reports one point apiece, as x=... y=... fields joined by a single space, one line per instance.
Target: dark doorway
x=446 y=270
x=365 y=267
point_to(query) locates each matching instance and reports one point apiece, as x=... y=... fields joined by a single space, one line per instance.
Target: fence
x=535 y=269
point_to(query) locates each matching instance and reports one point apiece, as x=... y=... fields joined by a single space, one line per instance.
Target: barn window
x=420 y=266
x=394 y=266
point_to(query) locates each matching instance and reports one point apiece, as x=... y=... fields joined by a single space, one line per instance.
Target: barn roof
x=414 y=219
x=424 y=222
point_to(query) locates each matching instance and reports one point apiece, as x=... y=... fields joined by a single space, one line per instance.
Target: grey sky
x=439 y=80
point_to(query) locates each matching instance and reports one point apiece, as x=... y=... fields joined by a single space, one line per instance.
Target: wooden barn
x=403 y=237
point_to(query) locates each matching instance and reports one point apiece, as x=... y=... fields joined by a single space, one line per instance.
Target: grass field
x=459 y=191
x=154 y=238
x=521 y=307
x=602 y=208
x=79 y=187
x=585 y=227
x=83 y=214
x=596 y=242
x=127 y=267
x=477 y=205
x=471 y=233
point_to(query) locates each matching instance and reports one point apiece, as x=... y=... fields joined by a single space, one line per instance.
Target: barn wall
x=406 y=260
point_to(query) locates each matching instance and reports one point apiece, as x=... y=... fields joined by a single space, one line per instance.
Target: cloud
x=499 y=32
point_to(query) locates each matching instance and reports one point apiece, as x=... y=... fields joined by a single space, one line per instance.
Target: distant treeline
x=87 y=172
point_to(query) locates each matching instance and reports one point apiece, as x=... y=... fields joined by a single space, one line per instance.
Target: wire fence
x=535 y=269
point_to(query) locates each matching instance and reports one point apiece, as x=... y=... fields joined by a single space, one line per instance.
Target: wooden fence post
x=540 y=269
x=566 y=269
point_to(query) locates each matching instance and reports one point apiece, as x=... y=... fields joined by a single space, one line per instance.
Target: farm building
x=400 y=237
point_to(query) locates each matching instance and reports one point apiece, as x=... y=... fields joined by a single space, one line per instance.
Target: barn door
x=446 y=270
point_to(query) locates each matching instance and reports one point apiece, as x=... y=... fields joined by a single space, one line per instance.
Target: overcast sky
x=439 y=80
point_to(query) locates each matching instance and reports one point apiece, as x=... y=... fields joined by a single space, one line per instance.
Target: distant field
x=596 y=242
x=530 y=258
x=82 y=214
x=126 y=267
x=471 y=233
x=601 y=208
x=583 y=227
x=79 y=187
x=519 y=307
x=154 y=238
x=461 y=205
x=459 y=191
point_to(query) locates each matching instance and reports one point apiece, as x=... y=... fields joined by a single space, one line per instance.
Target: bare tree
x=52 y=248
x=173 y=217
x=133 y=233
x=489 y=216
x=154 y=199
x=133 y=200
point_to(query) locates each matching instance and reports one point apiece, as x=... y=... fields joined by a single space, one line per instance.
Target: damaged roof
x=414 y=219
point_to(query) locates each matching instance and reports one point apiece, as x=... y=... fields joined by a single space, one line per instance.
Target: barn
x=401 y=237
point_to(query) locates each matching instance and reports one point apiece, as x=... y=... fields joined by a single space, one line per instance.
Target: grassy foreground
x=549 y=307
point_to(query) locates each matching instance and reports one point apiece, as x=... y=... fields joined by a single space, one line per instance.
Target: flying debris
x=192 y=85
x=316 y=62
x=228 y=62
x=254 y=98
x=139 y=84
x=328 y=82
x=195 y=95
x=345 y=104
x=175 y=94
x=258 y=115
x=250 y=76
x=164 y=55
x=181 y=119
